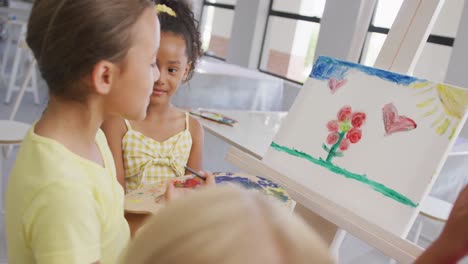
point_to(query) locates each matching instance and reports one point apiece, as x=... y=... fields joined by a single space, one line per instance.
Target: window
x=216 y=25
x=435 y=56
x=291 y=37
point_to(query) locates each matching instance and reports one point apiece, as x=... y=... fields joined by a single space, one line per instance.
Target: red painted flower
x=344 y=145
x=354 y=135
x=333 y=126
x=332 y=138
x=358 y=119
x=344 y=113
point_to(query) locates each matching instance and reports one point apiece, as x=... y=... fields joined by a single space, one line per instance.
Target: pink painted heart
x=334 y=84
x=394 y=122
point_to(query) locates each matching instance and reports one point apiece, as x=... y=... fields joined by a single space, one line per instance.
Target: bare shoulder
x=114 y=126
x=195 y=126
x=179 y=113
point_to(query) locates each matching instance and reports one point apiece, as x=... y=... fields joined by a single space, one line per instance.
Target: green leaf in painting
x=325 y=148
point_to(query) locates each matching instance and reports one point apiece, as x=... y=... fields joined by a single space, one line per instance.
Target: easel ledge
x=393 y=246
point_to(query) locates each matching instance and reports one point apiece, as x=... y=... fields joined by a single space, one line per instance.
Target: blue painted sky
x=326 y=68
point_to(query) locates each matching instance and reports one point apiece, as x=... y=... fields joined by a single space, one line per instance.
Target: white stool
x=13 y=132
x=21 y=50
x=435 y=209
x=11 y=26
x=30 y=77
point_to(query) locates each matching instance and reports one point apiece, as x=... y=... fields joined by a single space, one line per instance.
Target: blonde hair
x=226 y=225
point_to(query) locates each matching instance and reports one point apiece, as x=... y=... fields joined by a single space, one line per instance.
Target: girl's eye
x=172 y=70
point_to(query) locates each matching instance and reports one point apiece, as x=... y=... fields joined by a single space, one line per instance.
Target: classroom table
x=252 y=134
x=221 y=85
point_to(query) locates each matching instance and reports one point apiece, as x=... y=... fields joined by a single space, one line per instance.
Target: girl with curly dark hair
x=159 y=147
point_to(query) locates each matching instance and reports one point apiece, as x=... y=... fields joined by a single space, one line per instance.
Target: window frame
x=432 y=38
x=282 y=14
x=216 y=5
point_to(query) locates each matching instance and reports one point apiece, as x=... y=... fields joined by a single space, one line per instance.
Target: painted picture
x=370 y=140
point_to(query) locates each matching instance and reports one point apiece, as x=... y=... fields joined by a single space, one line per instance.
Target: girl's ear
x=187 y=69
x=102 y=76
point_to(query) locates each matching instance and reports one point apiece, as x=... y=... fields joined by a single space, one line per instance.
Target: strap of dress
x=127 y=123
x=187 y=119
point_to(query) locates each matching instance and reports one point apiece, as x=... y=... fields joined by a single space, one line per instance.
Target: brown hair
x=68 y=37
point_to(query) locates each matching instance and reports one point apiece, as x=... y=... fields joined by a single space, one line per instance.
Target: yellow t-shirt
x=62 y=208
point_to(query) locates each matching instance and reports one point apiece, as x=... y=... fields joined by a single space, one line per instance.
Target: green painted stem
x=350 y=175
x=332 y=152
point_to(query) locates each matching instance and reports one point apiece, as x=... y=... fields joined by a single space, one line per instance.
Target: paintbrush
x=195 y=173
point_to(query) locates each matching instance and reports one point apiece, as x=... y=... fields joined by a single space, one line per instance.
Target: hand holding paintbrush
x=173 y=193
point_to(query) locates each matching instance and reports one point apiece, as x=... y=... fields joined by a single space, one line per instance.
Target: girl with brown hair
x=64 y=204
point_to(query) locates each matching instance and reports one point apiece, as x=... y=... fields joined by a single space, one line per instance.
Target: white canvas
x=384 y=176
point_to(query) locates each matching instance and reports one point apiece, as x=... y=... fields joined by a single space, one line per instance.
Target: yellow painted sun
x=449 y=105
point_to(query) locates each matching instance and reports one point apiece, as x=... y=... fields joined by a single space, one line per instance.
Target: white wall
x=449 y=18
x=434 y=60
x=247 y=34
x=222 y=21
x=197 y=8
x=458 y=68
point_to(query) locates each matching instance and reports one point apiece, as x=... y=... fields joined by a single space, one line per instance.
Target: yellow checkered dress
x=148 y=161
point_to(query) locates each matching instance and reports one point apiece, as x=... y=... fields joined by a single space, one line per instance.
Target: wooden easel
x=402 y=49
x=400 y=53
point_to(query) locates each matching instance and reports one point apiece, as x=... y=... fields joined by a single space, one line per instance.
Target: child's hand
x=172 y=193
x=209 y=178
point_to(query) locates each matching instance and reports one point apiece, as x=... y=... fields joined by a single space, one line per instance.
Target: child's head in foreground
x=226 y=225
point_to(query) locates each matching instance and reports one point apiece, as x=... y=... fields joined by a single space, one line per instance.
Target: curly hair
x=185 y=25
